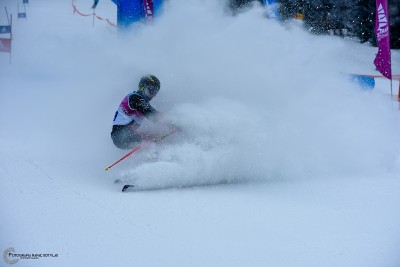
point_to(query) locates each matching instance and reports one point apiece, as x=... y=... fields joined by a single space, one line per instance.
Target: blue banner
x=272 y=7
x=365 y=82
x=131 y=11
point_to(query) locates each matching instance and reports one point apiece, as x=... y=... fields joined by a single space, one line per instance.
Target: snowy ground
x=314 y=160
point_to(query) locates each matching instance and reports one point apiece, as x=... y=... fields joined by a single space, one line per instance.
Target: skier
x=132 y=111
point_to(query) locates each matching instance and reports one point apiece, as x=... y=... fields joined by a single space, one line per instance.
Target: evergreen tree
x=364 y=21
x=346 y=18
x=317 y=16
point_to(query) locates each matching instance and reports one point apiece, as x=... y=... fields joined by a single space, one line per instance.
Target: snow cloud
x=254 y=99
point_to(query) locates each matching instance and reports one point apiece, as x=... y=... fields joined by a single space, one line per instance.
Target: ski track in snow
x=311 y=161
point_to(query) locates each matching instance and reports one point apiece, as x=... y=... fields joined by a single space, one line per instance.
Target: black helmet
x=149 y=86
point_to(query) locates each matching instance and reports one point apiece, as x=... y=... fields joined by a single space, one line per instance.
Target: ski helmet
x=149 y=86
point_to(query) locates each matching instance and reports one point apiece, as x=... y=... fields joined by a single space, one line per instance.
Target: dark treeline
x=345 y=18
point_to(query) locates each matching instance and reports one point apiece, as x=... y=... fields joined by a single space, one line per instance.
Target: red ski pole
x=141 y=146
x=127 y=155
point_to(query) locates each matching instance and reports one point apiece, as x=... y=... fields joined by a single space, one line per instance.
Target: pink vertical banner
x=383 y=60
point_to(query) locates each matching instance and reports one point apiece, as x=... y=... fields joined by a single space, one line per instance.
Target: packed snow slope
x=311 y=162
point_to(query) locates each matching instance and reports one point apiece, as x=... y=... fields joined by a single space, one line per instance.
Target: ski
x=127 y=187
x=148 y=188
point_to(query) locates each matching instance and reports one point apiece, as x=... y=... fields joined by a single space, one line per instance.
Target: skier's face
x=150 y=91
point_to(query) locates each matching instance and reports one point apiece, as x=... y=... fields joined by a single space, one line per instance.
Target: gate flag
x=5 y=45
x=383 y=60
x=95 y=4
x=5 y=29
